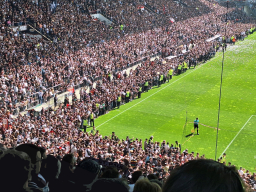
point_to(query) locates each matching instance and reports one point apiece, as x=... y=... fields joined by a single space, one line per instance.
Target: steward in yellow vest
x=109 y=76
x=185 y=66
x=146 y=86
x=127 y=96
x=233 y=40
x=92 y=119
x=119 y=99
x=217 y=47
x=139 y=92
x=179 y=68
x=160 y=79
x=224 y=46
x=93 y=131
x=85 y=124
x=170 y=74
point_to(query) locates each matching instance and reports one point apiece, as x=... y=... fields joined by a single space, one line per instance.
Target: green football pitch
x=162 y=112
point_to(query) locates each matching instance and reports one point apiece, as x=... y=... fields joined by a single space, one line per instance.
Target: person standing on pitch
x=196 y=122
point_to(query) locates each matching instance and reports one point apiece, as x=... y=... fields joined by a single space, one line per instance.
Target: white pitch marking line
x=152 y=94
x=236 y=136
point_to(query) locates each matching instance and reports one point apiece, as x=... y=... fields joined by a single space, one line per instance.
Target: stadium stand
x=74 y=50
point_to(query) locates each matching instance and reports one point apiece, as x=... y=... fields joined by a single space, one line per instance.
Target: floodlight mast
x=221 y=79
x=184 y=130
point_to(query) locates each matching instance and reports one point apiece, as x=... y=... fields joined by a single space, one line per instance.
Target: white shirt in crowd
x=240 y=172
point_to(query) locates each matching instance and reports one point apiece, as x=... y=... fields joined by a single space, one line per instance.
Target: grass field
x=161 y=112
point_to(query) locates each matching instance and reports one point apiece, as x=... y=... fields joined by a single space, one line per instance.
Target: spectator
x=113 y=185
x=51 y=167
x=37 y=181
x=67 y=168
x=155 y=187
x=110 y=172
x=144 y=185
x=12 y=161
x=86 y=172
x=135 y=176
x=204 y=175
x=152 y=176
x=43 y=152
x=157 y=182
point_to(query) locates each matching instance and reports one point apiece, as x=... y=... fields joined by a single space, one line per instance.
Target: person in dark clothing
x=37 y=181
x=86 y=172
x=55 y=101
x=66 y=101
x=113 y=185
x=51 y=170
x=196 y=122
x=204 y=175
x=16 y=168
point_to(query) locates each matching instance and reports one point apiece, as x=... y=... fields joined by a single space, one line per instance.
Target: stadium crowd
x=82 y=51
x=114 y=165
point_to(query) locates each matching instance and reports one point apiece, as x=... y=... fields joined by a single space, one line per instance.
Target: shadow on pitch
x=189 y=135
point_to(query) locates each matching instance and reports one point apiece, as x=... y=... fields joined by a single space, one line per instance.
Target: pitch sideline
x=236 y=136
x=158 y=90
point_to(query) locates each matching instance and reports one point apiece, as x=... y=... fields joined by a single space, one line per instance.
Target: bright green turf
x=162 y=111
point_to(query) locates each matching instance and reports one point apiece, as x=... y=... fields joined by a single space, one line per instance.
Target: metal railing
x=45 y=35
x=152 y=9
x=16 y=24
x=104 y=13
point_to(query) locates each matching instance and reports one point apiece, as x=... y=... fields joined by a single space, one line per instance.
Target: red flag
x=71 y=90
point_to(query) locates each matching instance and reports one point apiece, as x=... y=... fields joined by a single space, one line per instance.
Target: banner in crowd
x=71 y=90
x=101 y=18
x=141 y=7
x=33 y=38
x=22 y=28
x=65 y=146
x=213 y=38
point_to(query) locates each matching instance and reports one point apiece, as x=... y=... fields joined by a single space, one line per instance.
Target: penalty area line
x=236 y=136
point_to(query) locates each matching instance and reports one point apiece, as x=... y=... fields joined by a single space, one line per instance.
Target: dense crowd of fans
x=82 y=51
x=118 y=166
